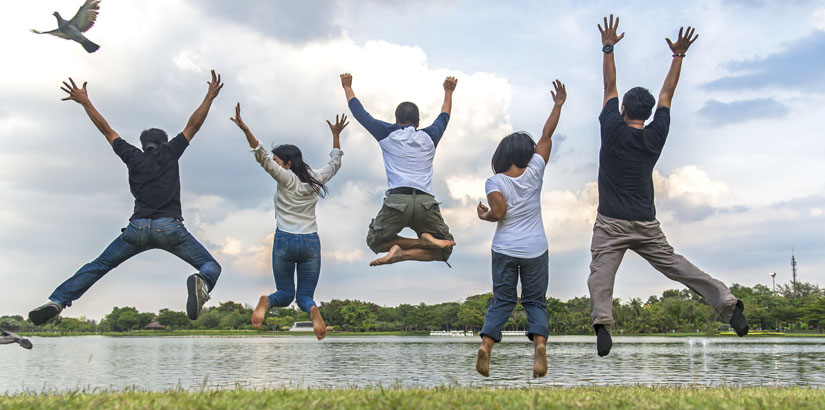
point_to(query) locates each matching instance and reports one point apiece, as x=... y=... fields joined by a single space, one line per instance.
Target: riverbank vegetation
x=797 y=308
x=623 y=397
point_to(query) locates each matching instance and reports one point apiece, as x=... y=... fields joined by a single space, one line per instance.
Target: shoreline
x=257 y=333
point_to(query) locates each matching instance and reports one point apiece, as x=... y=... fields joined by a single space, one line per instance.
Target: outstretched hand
x=214 y=86
x=609 y=32
x=346 y=80
x=76 y=93
x=450 y=83
x=683 y=42
x=339 y=125
x=560 y=94
x=237 y=119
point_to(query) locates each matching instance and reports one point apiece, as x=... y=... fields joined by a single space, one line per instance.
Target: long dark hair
x=289 y=152
x=516 y=148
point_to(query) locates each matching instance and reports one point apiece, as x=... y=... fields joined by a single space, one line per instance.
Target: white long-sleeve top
x=295 y=200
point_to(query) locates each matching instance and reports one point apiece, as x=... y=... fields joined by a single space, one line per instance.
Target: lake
x=159 y=363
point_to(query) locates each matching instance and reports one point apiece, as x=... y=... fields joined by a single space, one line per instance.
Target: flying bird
x=80 y=23
x=9 y=338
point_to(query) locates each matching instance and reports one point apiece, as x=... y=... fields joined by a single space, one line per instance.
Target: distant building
x=154 y=325
x=301 y=327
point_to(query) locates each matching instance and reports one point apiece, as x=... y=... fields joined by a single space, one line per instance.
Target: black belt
x=407 y=191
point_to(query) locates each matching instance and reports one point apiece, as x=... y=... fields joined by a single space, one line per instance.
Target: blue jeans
x=141 y=235
x=506 y=273
x=291 y=251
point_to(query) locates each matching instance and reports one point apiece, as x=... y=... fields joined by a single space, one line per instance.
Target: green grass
x=626 y=397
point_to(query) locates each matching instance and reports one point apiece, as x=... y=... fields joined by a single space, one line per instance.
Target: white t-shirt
x=520 y=233
x=295 y=200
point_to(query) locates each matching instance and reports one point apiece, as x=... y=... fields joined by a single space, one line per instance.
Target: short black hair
x=406 y=113
x=152 y=138
x=516 y=148
x=638 y=103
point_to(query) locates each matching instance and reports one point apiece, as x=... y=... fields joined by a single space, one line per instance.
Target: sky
x=739 y=186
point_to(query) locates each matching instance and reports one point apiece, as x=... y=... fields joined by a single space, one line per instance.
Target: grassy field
x=628 y=397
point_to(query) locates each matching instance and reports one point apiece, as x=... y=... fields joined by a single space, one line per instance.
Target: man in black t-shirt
x=156 y=222
x=626 y=216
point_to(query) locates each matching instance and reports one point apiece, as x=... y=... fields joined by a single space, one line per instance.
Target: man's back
x=626 y=162
x=154 y=177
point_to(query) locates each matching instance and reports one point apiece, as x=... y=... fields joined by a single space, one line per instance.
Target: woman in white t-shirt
x=519 y=245
x=296 y=246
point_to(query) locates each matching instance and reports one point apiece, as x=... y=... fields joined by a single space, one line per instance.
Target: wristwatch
x=608 y=48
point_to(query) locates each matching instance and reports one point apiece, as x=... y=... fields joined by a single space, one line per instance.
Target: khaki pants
x=612 y=237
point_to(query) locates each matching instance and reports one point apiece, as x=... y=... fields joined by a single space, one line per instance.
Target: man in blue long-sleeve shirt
x=408 y=159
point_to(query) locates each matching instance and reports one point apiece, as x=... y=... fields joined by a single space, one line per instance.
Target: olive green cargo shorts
x=419 y=212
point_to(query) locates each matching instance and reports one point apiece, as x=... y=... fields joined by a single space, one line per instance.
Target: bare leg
x=259 y=313
x=396 y=254
x=318 y=324
x=427 y=241
x=539 y=356
x=484 y=351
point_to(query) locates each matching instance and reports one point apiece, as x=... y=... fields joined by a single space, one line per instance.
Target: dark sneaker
x=738 y=321
x=45 y=313
x=198 y=295
x=603 y=340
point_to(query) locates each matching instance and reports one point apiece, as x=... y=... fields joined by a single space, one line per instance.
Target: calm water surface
x=159 y=363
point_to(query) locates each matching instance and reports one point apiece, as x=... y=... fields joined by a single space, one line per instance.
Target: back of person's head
x=407 y=113
x=292 y=154
x=153 y=138
x=638 y=103
x=516 y=148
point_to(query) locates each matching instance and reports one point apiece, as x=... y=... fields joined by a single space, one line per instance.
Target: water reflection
x=95 y=362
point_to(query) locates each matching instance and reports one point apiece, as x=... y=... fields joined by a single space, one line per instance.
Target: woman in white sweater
x=296 y=244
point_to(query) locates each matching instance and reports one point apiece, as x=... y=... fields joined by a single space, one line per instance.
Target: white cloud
x=818 y=19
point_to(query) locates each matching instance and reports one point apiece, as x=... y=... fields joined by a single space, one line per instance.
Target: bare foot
x=259 y=313
x=432 y=242
x=318 y=323
x=540 y=358
x=483 y=361
x=396 y=254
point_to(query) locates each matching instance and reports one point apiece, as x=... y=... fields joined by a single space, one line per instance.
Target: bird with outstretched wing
x=73 y=29
x=9 y=338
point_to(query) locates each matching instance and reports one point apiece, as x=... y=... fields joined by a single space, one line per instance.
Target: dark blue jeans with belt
x=293 y=253
x=141 y=235
x=533 y=273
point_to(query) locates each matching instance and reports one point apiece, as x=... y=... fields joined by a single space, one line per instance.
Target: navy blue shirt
x=154 y=178
x=626 y=162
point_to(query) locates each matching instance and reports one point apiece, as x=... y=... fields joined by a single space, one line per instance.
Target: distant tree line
x=793 y=307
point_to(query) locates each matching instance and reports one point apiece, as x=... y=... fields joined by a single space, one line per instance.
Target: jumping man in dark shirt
x=626 y=216
x=156 y=222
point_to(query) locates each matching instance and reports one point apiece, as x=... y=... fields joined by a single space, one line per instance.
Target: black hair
x=407 y=113
x=152 y=138
x=638 y=103
x=516 y=148
x=289 y=152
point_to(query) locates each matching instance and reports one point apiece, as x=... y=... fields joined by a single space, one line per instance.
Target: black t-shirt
x=626 y=162
x=153 y=177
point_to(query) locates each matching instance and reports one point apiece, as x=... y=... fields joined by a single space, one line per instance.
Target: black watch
x=608 y=48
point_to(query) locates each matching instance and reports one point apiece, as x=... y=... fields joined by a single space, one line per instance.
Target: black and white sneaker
x=45 y=313
x=198 y=295
x=738 y=321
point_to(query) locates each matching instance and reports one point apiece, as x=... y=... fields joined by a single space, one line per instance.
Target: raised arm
x=80 y=96
x=250 y=138
x=609 y=40
x=449 y=87
x=199 y=116
x=545 y=143
x=346 y=82
x=336 y=130
x=679 y=49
